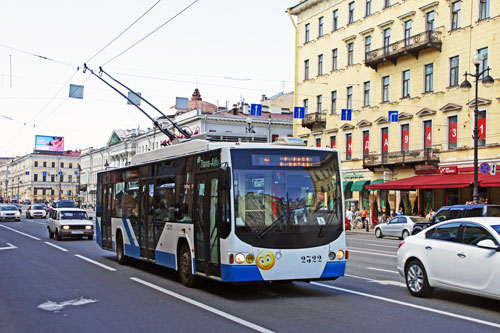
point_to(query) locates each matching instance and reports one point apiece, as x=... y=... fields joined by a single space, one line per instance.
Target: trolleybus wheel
x=186 y=268
x=120 y=252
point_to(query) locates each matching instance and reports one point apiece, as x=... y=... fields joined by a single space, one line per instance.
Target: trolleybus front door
x=206 y=223
x=146 y=220
x=106 y=200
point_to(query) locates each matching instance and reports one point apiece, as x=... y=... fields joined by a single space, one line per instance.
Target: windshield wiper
x=272 y=226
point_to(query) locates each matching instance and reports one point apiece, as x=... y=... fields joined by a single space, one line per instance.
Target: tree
x=387 y=209
x=374 y=213
x=407 y=205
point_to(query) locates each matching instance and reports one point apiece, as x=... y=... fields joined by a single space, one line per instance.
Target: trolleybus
x=232 y=212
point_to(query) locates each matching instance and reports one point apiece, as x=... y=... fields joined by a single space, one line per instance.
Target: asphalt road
x=73 y=285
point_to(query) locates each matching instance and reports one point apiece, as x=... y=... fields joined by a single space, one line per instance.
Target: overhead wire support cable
x=165 y=131
x=180 y=129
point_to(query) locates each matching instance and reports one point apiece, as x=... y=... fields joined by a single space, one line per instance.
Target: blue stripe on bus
x=130 y=249
x=334 y=269
x=98 y=235
x=165 y=259
x=232 y=273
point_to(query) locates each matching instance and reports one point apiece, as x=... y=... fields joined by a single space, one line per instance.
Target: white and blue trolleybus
x=232 y=212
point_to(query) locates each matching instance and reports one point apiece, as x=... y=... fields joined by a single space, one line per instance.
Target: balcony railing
x=312 y=120
x=397 y=159
x=411 y=45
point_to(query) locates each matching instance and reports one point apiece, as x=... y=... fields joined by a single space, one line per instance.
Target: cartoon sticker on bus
x=265 y=260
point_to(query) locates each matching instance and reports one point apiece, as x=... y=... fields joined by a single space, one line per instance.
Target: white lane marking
x=22 y=233
x=203 y=306
x=445 y=313
x=57 y=247
x=9 y=247
x=96 y=263
x=39 y=222
x=372 y=253
x=382 y=282
x=54 y=306
x=382 y=270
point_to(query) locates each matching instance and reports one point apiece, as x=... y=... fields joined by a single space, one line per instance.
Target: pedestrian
x=364 y=215
x=400 y=211
x=348 y=216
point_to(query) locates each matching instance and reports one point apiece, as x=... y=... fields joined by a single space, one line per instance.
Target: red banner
x=428 y=137
x=349 y=146
x=453 y=133
x=481 y=125
x=448 y=170
x=406 y=139
x=366 y=144
x=385 y=142
x=333 y=143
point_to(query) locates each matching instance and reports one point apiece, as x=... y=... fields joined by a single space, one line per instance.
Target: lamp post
x=79 y=180
x=60 y=183
x=487 y=81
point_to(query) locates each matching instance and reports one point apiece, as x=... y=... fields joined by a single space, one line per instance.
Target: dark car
x=63 y=204
x=457 y=211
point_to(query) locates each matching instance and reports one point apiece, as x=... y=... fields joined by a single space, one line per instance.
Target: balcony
x=314 y=120
x=412 y=45
x=399 y=159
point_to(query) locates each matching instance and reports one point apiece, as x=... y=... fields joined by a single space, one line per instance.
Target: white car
x=71 y=222
x=398 y=226
x=9 y=212
x=461 y=255
x=36 y=211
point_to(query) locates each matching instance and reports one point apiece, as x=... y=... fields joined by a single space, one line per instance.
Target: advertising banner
x=49 y=143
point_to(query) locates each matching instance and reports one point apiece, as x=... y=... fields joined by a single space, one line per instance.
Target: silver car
x=398 y=226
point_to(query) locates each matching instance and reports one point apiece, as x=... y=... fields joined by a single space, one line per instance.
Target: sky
x=229 y=49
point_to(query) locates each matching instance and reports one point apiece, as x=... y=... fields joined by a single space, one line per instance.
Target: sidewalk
x=360 y=231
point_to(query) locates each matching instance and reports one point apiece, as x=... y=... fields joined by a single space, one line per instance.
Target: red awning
x=489 y=180
x=438 y=181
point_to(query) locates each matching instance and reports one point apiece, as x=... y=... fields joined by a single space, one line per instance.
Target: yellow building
x=408 y=56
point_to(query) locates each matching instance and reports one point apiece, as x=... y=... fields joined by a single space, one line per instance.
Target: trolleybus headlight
x=65 y=227
x=340 y=254
x=250 y=258
x=331 y=255
x=239 y=258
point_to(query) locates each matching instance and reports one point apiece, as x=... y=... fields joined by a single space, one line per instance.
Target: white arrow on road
x=10 y=247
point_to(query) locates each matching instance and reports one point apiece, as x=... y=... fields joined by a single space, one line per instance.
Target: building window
x=334 y=102
x=52 y=191
x=452 y=132
x=308 y=33
x=319 y=103
x=484 y=9
x=71 y=165
x=454 y=62
x=335 y=26
x=366 y=142
x=53 y=164
x=318 y=142
x=366 y=93
x=334 y=59
x=387 y=40
x=306 y=105
x=368 y=46
x=429 y=77
x=429 y=21
x=481 y=125
x=484 y=61
x=385 y=89
x=35 y=191
x=44 y=177
x=333 y=141
x=385 y=140
x=348 y=146
x=320 y=26
x=405 y=138
x=350 y=53
x=406 y=84
x=428 y=134
x=320 y=64
x=70 y=178
x=368 y=8
x=306 y=69
x=408 y=25
x=349 y=98
x=387 y=3
x=35 y=177
x=53 y=178
x=351 y=13
x=62 y=164
x=44 y=164
x=36 y=163
x=61 y=178
x=455 y=14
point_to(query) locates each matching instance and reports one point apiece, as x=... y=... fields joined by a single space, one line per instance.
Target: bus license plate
x=310 y=259
x=77 y=232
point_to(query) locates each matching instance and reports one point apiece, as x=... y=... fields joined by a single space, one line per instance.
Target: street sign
x=60 y=173
x=256 y=110
x=76 y=172
x=299 y=112
x=393 y=116
x=493 y=169
x=484 y=167
x=346 y=115
x=448 y=170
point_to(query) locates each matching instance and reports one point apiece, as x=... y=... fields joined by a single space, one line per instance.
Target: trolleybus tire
x=120 y=250
x=186 y=268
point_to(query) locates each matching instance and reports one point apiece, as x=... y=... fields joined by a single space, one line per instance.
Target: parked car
x=37 y=211
x=71 y=222
x=9 y=213
x=457 y=211
x=398 y=226
x=461 y=255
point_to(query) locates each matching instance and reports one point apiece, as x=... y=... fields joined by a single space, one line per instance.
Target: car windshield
x=66 y=204
x=496 y=228
x=73 y=215
x=39 y=207
x=9 y=208
x=418 y=219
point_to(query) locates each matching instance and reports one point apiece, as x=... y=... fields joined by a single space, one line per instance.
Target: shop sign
x=448 y=170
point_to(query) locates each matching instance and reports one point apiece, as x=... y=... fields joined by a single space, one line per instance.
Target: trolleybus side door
x=106 y=209
x=146 y=220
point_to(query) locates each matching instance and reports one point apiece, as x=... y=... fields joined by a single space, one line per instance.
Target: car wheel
x=120 y=251
x=58 y=235
x=416 y=279
x=406 y=233
x=51 y=234
x=91 y=237
x=185 y=268
x=378 y=233
x=27 y=216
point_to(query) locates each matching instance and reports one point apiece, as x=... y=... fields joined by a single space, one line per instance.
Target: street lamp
x=487 y=81
x=60 y=183
x=79 y=180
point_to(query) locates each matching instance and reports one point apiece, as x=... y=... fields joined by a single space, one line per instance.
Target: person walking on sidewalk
x=364 y=215
x=348 y=216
